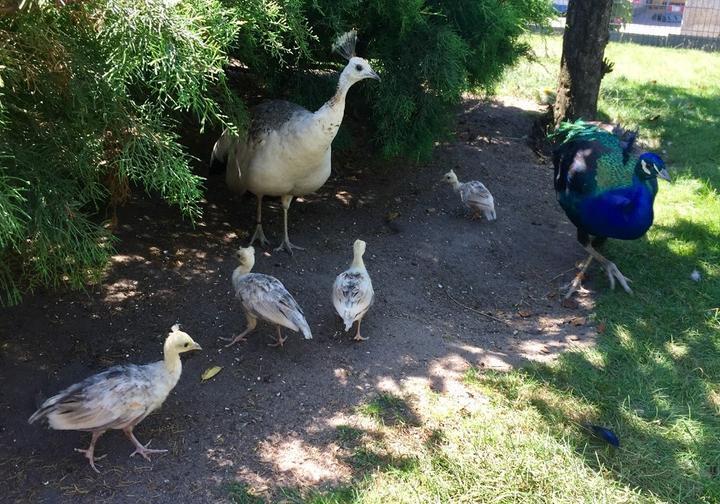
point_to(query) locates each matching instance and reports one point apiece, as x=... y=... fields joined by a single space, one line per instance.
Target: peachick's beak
x=373 y=75
x=195 y=347
x=663 y=174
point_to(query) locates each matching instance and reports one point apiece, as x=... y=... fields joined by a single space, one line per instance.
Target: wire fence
x=672 y=23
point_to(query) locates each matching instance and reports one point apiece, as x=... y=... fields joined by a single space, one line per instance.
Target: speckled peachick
x=265 y=297
x=353 y=293
x=118 y=398
x=474 y=196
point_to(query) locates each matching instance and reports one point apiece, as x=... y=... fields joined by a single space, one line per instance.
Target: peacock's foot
x=259 y=235
x=360 y=338
x=575 y=286
x=287 y=246
x=613 y=274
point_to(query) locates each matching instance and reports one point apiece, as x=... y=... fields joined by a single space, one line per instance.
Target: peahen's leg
x=286 y=245
x=90 y=451
x=251 y=323
x=613 y=272
x=576 y=284
x=259 y=234
x=140 y=448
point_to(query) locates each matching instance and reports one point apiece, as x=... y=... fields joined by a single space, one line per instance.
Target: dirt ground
x=450 y=292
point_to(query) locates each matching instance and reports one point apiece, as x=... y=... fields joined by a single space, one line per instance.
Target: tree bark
x=581 y=68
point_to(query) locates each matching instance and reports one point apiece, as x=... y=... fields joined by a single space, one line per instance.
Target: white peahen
x=286 y=150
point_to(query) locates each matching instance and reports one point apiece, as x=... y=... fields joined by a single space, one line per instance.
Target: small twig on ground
x=478 y=311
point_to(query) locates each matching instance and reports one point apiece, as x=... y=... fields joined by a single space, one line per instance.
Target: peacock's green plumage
x=604 y=189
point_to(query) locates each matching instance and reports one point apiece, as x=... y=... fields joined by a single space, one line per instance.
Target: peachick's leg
x=613 y=272
x=259 y=234
x=280 y=340
x=90 y=452
x=357 y=333
x=576 y=284
x=139 y=447
x=286 y=245
x=251 y=323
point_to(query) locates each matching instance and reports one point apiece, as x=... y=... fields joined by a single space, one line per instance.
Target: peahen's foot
x=90 y=455
x=259 y=235
x=144 y=451
x=287 y=246
x=613 y=274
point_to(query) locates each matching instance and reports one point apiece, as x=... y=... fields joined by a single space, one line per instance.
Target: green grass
x=654 y=376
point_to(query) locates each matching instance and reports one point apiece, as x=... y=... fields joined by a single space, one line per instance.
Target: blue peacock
x=605 y=190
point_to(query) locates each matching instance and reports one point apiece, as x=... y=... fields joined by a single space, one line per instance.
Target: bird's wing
x=475 y=193
x=266 y=297
x=353 y=293
x=272 y=116
x=112 y=399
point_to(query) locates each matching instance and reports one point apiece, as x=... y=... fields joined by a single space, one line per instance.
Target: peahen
x=286 y=151
x=605 y=190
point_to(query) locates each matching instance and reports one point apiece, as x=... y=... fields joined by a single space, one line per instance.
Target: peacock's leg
x=259 y=234
x=251 y=323
x=576 y=284
x=286 y=245
x=613 y=272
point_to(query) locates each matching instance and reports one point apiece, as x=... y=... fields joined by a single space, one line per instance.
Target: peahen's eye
x=358 y=68
x=186 y=345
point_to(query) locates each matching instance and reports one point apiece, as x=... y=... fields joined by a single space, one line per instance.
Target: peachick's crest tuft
x=345 y=44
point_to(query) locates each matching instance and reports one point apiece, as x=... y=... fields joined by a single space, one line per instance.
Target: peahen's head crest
x=345 y=44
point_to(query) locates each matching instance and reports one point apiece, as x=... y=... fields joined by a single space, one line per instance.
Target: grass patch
x=389 y=410
x=239 y=493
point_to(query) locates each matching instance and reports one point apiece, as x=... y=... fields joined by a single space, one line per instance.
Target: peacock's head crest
x=650 y=165
x=357 y=68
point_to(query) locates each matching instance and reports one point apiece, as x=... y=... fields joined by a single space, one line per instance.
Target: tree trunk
x=581 y=68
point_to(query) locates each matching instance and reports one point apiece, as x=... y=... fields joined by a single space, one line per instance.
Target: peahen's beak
x=663 y=174
x=374 y=75
x=195 y=347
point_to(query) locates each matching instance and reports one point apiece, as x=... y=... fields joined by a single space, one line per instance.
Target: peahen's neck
x=330 y=115
x=456 y=185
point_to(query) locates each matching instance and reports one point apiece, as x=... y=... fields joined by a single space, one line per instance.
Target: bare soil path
x=451 y=292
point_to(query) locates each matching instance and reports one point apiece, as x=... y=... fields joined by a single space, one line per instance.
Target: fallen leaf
x=524 y=313
x=601 y=327
x=210 y=372
x=578 y=321
x=391 y=216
